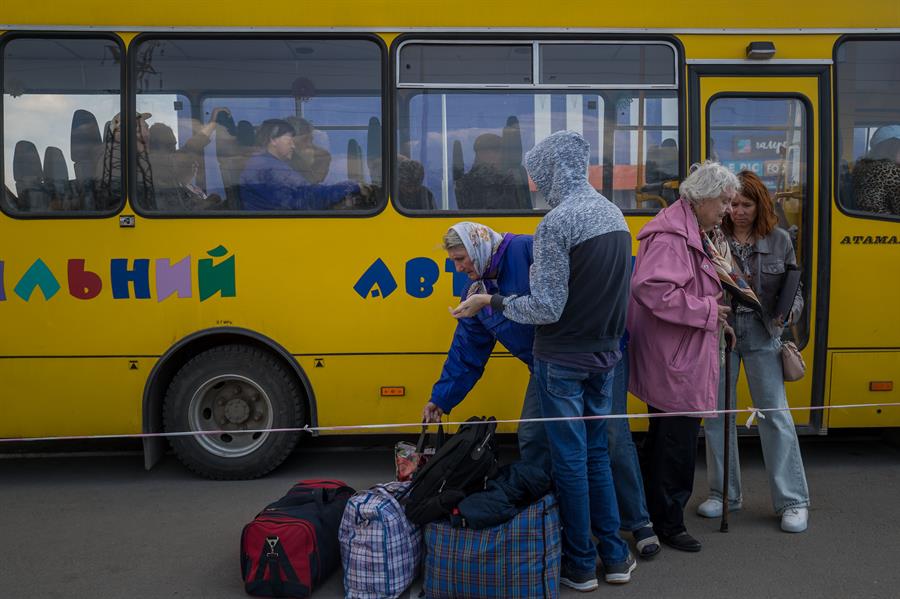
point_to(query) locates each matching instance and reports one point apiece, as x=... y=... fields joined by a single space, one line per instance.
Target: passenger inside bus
x=662 y=167
x=108 y=189
x=309 y=160
x=175 y=170
x=410 y=192
x=268 y=181
x=662 y=161
x=235 y=143
x=172 y=174
x=876 y=177
x=491 y=183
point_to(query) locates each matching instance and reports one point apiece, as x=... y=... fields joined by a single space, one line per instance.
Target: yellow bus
x=145 y=288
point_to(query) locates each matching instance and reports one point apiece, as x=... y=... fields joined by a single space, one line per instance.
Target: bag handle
x=318 y=495
x=439 y=437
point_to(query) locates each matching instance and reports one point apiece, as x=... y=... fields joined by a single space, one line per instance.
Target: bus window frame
x=836 y=166
x=809 y=181
x=679 y=87
x=10 y=36
x=245 y=214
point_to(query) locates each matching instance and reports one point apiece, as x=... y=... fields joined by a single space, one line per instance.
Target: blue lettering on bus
x=420 y=275
x=377 y=281
x=121 y=275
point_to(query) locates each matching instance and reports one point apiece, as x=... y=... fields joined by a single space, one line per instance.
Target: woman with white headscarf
x=494 y=263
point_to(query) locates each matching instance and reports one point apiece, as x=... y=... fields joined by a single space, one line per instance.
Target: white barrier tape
x=351 y=427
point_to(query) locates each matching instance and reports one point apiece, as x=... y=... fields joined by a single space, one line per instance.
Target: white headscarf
x=480 y=242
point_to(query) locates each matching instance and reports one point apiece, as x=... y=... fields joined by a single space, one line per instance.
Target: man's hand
x=471 y=306
x=432 y=413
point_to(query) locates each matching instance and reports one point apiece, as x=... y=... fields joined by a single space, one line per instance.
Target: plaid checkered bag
x=519 y=559
x=381 y=549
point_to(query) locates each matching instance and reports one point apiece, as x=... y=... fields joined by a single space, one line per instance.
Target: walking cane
x=723 y=527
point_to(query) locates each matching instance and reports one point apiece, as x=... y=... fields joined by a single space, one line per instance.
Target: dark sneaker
x=646 y=542
x=682 y=541
x=580 y=581
x=620 y=573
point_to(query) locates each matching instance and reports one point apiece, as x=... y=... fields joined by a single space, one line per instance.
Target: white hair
x=709 y=180
x=452 y=239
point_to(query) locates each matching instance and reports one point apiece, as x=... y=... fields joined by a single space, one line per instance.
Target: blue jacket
x=475 y=337
x=268 y=183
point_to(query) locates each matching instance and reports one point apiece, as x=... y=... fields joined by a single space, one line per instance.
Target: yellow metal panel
x=352 y=383
x=864 y=283
x=74 y=396
x=851 y=373
x=385 y=14
x=734 y=47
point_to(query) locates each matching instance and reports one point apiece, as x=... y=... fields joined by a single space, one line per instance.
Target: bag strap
x=275 y=560
x=330 y=495
x=439 y=438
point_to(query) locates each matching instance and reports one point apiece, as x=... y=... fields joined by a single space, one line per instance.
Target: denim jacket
x=770 y=258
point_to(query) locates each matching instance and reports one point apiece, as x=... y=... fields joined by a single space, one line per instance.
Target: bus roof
x=675 y=16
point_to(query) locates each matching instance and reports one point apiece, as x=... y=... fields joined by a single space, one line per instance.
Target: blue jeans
x=533 y=445
x=623 y=457
x=578 y=448
x=761 y=355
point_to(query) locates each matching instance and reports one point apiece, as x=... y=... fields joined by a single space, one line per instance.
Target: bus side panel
x=864 y=283
x=851 y=374
x=72 y=396
x=353 y=386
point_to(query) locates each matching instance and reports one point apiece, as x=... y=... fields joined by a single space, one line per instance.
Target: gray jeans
x=761 y=356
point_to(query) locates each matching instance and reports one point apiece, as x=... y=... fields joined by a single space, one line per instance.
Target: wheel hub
x=231 y=404
x=237 y=411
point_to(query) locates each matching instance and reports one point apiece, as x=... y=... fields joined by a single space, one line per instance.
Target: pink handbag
x=792 y=362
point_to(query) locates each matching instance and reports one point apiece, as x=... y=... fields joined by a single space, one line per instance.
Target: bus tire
x=233 y=388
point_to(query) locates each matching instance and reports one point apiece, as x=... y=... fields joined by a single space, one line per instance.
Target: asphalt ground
x=97 y=525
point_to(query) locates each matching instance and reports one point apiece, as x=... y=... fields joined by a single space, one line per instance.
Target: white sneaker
x=795 y=519
x=712 y=508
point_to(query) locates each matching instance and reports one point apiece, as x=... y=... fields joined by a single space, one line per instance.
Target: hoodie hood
x=558 y=166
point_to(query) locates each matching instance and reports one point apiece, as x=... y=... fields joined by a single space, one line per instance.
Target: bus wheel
x=232 y=389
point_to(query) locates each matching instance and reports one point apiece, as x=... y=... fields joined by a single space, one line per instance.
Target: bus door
x=768 y=119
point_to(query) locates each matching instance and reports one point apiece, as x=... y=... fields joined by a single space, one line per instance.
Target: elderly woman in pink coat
x=675 y=321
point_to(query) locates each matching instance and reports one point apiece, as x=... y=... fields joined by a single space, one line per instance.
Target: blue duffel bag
x=519 y=559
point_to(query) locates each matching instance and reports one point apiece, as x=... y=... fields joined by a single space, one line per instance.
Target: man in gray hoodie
x=579 y=293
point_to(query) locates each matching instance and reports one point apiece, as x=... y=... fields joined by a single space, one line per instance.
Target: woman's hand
x=730 y=337
x=471 y=306
x=724 y=311
x=432 y=413
x=780 y=322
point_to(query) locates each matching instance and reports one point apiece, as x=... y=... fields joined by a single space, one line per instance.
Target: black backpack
x=462 y=465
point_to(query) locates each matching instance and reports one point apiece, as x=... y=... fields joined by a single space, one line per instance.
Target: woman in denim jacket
x=763 y=252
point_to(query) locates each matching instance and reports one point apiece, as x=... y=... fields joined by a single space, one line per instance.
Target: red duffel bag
x=292 y=545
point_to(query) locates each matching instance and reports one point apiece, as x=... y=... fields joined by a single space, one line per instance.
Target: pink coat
x=672 y=316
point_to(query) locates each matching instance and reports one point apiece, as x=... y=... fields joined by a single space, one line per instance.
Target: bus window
x=616 y=65
x=461 y=142
x=61 y=126
x=769 y=137
x=868 y=123
x=259 y=125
